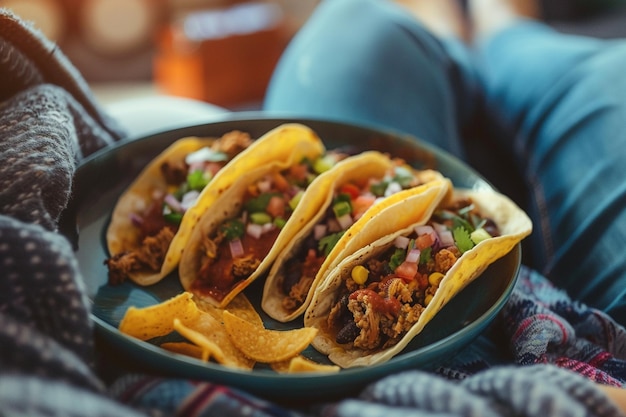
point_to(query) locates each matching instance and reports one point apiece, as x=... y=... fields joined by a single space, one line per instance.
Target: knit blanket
x=555 y=352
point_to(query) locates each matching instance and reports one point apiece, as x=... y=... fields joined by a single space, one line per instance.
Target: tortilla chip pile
x=233 y=337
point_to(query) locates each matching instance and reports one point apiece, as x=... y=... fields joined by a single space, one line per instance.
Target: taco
x=353 y=192
x=153 y=218
x=373 y=303
x=238 y=241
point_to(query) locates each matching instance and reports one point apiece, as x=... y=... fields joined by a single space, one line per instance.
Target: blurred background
x=219 y=51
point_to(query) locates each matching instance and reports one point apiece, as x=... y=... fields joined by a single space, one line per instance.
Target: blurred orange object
x=223 y=56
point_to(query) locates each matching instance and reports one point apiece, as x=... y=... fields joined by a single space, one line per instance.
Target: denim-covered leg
x=565 y=97
x=368 y=61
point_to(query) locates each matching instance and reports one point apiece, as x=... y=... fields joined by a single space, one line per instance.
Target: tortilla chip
x=187 y=349
x=264 y=345
x=240 y=306
x=300 y=364
x=157 y=320
x=210 y=334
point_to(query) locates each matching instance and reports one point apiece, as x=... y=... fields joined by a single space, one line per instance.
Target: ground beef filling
x=377 y=313
x=376 y=316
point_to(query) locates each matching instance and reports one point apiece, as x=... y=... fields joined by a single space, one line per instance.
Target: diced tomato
x=276 y=206
x=299 y=172
x=406 y=271
x=424 y=241
x=422 y=281
x=361 y=204
x=388 y=305
x=213 y=167
x=352 y=190
x=280 y=182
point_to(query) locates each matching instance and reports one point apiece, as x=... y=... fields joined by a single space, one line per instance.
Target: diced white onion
x=201 y=155
x=264 y=185
x=413 y=256
x=254 y=230
x=267 y=227
x=136 y=219
x=445 y=238
x=439 y=227
x=157 y=194
x=236 y=248
x=319 y=231
x=175 y=205
x=196 y=166
x=345 y=221
x=189 y=199
x=334 y=226
x=401 y=242
x=393 y=188
x=424 y=230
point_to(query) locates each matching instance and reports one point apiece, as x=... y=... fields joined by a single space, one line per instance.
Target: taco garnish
x=153 y=218
x=378 y=299
x=356 y=188
x=235 y=244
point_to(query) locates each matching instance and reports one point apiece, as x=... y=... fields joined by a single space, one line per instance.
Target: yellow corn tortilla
x=366 y=165
x=275 y=145
x=514 y=226
x=230 y=205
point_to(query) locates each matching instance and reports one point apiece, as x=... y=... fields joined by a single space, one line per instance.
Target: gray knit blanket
x=49 y=122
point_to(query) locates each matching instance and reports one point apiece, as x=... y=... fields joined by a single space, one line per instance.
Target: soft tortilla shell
x=275 y=145
x=366 y=165
x=514 y=225
x=230 y=205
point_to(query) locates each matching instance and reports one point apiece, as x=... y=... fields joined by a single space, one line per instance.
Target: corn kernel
x=359 y=274
x=428 y=299
x=435 y=278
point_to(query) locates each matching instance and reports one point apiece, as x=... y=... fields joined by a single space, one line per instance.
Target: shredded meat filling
x=148 y=257
x=381 y=310
x=367 y=320
x=298 y=293
x=245 y=266
x=232 y=143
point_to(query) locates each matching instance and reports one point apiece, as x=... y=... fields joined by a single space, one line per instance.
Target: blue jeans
x=541 y=114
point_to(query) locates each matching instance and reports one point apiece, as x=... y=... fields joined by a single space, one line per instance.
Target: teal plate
x=102 y=178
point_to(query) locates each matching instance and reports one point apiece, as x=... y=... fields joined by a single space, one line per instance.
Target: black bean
x=293 y=273
x=348 y=333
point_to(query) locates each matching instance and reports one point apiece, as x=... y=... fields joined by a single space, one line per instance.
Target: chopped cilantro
x=398 y=256
x=425 y=255
x=460 y=222
x=259 y=204
x=462 y=239
x=403 y=177
x=232 y=229
x=327 y=243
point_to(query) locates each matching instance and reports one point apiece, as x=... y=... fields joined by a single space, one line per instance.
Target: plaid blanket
x=556 y=350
